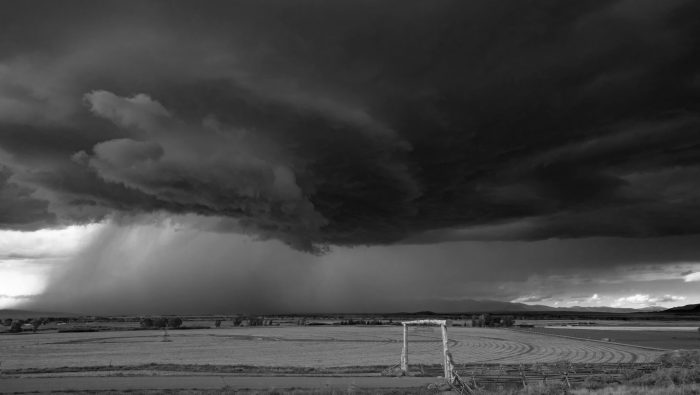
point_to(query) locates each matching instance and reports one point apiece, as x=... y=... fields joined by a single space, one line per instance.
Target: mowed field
x=657 y=337
x=305 y=346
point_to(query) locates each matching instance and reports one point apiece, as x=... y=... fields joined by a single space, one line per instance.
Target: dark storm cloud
x=356 y=122
x=19 y=210
x=167 y=267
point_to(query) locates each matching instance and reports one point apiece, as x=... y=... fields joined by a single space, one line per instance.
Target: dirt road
x=214 y=382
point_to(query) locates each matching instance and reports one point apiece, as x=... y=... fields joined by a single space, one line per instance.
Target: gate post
x=404 y=352
x=446 y=360
x=446 y=356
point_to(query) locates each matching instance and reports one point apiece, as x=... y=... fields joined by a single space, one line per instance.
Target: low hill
x=689 y=308
x=494 y=306
x=24 y=314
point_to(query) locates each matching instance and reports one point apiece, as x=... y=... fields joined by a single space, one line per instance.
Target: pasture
x=656 y=337
x=305 y=346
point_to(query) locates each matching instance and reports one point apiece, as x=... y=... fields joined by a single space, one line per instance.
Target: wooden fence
x=489 y=375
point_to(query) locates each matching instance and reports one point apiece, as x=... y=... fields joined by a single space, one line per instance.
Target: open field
x=675 y=338
x=316 y=359
x=314 y=346
x=686 y=322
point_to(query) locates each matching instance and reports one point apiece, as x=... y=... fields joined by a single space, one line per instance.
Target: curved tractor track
x=499 y=346
x=313 y=347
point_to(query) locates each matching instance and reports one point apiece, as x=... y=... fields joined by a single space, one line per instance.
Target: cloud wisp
x=692 y=277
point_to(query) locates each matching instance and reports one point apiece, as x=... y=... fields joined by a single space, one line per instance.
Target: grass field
x=658 y=338
x=310 y=346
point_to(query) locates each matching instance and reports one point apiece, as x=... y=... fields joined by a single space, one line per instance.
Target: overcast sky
x=298 y=156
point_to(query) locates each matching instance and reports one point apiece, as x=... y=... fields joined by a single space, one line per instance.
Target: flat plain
x=304 y=346
x=657 y=337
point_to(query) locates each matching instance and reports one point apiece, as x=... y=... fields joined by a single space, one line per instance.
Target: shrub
x=680 y=358
x=551 y=388
x=146 y=323
x=598 y=381
x=669 y=376
x=176 y=322
x=632 y=374
x=658 y=377
x=160 y=322
x=16 y=327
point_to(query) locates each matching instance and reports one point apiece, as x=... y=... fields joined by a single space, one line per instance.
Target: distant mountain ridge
x=22 y=314
x=689 y=308
x=436 y=307
x=605 y=309
x=484 y=306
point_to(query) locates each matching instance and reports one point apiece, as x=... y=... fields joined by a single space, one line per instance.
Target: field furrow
x=317 y=347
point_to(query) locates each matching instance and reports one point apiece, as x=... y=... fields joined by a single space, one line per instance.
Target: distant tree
x=16 y=327
x=146 y=323
x=7 y=322
x=176 y=322
x=217 y=323
x=237 y=321
x=35 y=324
x=160 y=322
x=508 y=321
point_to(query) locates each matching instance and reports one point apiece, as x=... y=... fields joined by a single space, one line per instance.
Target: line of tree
x=16 y=325
x=366 y=322
x=488 y=320
x=251 y=321
x=160 y=322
